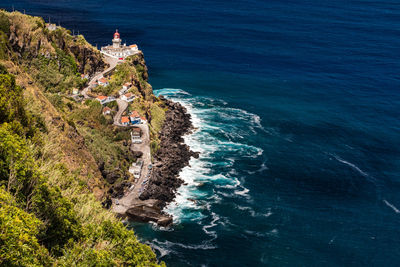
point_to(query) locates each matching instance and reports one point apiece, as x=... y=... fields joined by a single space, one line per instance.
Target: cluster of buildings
x=133 y=118
x=119 y=50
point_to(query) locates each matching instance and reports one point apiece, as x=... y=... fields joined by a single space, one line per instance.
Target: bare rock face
x=171 y=157
x=89 y=59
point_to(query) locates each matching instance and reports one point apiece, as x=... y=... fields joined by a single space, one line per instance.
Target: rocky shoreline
x=171 y=157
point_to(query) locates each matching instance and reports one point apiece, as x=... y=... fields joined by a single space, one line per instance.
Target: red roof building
x=135 y=114
x=101 y=97
x=106 y=110
x=125 y=120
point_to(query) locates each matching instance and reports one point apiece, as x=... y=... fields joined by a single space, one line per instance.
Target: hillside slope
x=50 y=182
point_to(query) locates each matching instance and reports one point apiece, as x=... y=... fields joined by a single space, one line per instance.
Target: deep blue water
x=297 y=108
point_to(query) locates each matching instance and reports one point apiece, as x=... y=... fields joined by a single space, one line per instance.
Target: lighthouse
x=117 y=40
x=117 y=50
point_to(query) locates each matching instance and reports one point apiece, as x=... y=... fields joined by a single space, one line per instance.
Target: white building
x=126 y=86
x=102 y=99
x=51 y=27
x=117 y=49
x=103 y=81
x=122 y=91
x=136 y=168
x=128 y=97
x=136 y=136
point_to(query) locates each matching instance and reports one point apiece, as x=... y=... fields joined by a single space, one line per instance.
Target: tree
x=19 y=245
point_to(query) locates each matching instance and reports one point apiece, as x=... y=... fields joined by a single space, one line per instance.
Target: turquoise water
x=296 y=105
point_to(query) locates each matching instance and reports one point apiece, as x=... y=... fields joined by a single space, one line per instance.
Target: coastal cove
x=293 y=110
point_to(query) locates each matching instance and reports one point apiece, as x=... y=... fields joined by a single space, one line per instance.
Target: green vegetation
x=51 y=150
x=47 y=215
x=58 y=73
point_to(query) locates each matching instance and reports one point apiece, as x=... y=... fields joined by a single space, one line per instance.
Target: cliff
x=51 y=182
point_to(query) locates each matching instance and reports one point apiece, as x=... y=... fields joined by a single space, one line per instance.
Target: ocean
x=296 y=106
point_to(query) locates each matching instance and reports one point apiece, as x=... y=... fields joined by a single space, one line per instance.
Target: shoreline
x=170 y=159
x=172 y=156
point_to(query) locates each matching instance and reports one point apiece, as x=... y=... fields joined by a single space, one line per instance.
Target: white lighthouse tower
x=117 y=50
x=117 y=40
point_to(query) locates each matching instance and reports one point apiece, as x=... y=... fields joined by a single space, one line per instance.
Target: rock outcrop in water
x=171 y=157
x=148 y=211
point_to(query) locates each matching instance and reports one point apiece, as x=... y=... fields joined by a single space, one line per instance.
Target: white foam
x=167 y=245
x=390 y=205
x=220 y=134
x=244 y=192
x=253 y=213
x=205 y=228
x=351 y=165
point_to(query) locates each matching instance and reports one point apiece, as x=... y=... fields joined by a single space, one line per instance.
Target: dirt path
x=122 y=105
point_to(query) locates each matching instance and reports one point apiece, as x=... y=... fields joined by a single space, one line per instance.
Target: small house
x=126 y=86
x=75 y=91
x=51 y=26
x=102 y=99
x=106 y=111
x=134 y=47
x=136 y=135
x=103 y=81
x=124 y=120
x=143 y=120
x=128 y=97
x=134 y=117
x=136 y=168
x=122 y=91
x=84 y=76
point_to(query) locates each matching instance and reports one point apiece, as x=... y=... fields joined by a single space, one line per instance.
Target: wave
x=221 y=135
x=390 y=205
x=254 y=213
x=167 y=245
x=205 y=228
x=353 y=166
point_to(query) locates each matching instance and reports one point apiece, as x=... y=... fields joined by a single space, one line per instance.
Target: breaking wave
x=220 y=135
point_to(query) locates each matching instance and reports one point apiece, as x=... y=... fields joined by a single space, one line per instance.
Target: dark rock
x=171 y=156
x=148 y=211
x=166 y=221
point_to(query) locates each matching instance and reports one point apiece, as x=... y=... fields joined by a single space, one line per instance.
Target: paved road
x=132 y=196
x=122 y=105
x=112 y=62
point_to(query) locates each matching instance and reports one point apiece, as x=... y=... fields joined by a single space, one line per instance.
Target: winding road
x=122 y=105
x=109 y=60
x=131 y=197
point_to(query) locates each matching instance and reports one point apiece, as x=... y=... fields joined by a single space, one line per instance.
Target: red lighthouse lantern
x=116 y=34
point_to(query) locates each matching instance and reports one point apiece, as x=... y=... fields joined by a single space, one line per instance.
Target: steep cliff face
x=30 y=38
x=140 y=78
